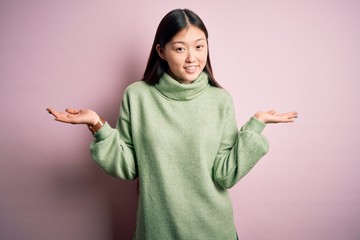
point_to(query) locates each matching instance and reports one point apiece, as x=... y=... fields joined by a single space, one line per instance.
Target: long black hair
x=170 y=25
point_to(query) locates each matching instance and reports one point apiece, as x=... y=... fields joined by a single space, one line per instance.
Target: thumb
x=72 y=110
x=272 y=112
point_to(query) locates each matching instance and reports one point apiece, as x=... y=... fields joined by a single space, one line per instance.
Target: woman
x=177 y=133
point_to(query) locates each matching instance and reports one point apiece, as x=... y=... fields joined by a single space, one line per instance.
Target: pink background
x=287 y=55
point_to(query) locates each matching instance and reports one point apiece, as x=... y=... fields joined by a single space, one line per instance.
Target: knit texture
x=183 y=143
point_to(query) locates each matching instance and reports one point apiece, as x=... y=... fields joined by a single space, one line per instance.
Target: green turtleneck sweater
x=182 y=141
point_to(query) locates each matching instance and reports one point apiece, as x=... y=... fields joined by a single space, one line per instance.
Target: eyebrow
x=181 y=42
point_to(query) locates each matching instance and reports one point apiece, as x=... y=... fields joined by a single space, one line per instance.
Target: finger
x=288 y=115
x=72 y=110
x=52 y=111
x=293 y=115
x=64 y=120
x=291 y=118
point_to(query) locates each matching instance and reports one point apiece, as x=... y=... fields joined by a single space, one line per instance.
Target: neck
x=173 y=89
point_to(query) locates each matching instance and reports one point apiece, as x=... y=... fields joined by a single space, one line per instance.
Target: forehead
x=188 y=35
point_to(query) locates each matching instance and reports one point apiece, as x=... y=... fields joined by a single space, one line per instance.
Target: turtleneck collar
x=172 y=89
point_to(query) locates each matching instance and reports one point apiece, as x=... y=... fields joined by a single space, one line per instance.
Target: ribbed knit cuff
x=103 y=132
x=254 y=125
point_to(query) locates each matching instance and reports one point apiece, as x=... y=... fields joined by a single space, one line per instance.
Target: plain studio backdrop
x=281 y=54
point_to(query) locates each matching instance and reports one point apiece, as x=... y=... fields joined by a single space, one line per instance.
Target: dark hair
x=170 y=25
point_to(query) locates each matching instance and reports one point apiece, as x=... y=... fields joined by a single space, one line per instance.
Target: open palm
x=273 y=117
x=75 y=116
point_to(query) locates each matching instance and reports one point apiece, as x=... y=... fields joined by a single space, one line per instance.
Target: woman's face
x=186 y=54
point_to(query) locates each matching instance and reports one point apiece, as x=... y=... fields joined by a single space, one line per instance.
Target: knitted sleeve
x=239 y=151
x=113 y=149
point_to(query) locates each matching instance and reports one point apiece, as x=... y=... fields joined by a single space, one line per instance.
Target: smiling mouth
x=190 y=67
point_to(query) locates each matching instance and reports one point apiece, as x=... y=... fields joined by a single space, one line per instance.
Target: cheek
x=175 y=63
x=203 y=56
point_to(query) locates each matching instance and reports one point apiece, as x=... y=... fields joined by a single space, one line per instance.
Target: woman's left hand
x=273 y=117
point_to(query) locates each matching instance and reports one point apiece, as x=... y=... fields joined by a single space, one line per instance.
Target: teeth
x=190 y=68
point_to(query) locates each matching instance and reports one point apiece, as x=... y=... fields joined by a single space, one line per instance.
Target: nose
x=190 y=57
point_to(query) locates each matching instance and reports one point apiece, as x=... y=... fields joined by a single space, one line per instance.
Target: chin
x=191 y=77
x=187 y=77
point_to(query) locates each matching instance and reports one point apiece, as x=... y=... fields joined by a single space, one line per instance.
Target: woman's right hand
x=75 y=116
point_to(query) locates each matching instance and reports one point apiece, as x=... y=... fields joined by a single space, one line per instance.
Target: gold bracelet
x=97 y=126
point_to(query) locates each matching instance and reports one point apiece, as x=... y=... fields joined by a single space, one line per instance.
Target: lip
x=191 y=68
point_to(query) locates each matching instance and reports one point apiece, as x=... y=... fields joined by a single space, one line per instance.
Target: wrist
x=258 y=117
x=94 y=121
x=94 y=127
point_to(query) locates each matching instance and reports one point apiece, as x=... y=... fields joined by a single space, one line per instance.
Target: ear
x=161 y=52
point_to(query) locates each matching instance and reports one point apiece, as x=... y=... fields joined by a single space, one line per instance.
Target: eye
x=180 y=49
x=200 y=46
